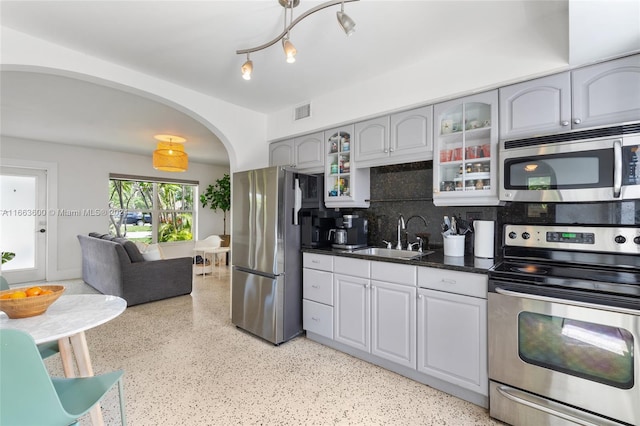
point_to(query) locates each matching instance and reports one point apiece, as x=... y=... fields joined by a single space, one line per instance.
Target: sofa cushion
x=131 y=249
x=95 y=234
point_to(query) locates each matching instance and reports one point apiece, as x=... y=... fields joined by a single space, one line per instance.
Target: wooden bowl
x=29 y=306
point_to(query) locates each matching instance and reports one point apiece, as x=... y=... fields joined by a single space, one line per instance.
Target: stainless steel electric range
x=564 y=326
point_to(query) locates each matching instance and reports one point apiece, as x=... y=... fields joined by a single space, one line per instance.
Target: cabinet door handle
x=315 y=286
x=315 y=261
x=315 y=319
x=390 y=149
x=385 y=150
x=419 y=297
x=366 y=286
x=577 y=121
x=565 y=123
x=444 y=280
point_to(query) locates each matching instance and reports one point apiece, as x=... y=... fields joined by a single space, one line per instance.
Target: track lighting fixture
x=347 y=24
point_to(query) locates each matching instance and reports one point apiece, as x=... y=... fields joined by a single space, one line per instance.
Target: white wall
x=83 y=183
x=601 y=29
x=241 y=130
x=587 y=32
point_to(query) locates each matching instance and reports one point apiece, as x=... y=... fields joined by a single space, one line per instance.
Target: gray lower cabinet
x=452 y=327
x=317 y=294
x=452 y=338
x=353 y=311
x=427 y=324
x=393 y=322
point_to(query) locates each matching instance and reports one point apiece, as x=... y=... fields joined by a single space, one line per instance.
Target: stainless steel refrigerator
x=265 y=245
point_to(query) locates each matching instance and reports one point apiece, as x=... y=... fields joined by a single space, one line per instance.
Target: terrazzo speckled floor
x=186 y=364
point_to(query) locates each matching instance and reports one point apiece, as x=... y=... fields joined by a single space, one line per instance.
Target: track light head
x=289 y=50
x=247 y=69
x=346 y=23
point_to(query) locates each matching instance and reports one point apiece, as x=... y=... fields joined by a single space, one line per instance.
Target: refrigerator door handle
x=297 y=206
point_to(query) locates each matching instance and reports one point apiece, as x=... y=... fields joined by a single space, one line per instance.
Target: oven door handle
x=616 y=309
x=617 y=168
x=540 y=404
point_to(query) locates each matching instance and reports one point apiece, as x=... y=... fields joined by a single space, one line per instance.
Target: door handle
x=548 y=299
x=42 y=230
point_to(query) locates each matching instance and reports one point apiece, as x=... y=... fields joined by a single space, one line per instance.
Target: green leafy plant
x=7 y=256
x=218 y=197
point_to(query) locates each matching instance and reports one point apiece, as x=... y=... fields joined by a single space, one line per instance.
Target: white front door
x=23 y=223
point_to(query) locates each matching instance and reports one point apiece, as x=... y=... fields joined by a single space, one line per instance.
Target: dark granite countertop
x=437 y=259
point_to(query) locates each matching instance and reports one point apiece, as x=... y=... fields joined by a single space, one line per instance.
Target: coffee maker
x=356 y=229
x=315 y=225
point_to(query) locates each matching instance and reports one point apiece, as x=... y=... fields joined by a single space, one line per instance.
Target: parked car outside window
x=137 y=218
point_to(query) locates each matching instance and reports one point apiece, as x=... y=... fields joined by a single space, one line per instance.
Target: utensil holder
x=454 y=245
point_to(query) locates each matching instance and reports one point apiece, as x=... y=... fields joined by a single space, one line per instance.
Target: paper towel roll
x=483 y=239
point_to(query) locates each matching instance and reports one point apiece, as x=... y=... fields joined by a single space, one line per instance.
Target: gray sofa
x=116 y=267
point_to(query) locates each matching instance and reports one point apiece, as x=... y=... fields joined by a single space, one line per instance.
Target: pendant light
x=169 y=155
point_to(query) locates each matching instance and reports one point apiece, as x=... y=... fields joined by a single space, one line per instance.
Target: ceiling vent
x=302 y=111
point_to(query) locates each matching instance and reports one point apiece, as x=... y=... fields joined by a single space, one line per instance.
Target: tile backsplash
x=407 y=189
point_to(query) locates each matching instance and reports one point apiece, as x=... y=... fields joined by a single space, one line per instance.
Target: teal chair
x=29 y=396
x=46 y=349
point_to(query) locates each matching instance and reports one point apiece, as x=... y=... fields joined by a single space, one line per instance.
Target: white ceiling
x=193 y=44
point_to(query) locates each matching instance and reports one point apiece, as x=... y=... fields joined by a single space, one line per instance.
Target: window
x=148 y=210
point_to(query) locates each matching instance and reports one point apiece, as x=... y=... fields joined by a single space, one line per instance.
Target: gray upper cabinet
x=306 y=153
x=536 y=107
x=606 y=93
x=400 y=138
x=371 y=141
x=309 y=152
x=281 y=153
x=597 y=95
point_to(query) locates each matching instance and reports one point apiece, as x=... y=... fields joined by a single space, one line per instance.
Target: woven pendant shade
x=170 y=157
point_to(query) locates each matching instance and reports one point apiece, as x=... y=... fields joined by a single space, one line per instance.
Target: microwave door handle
x=617 y=168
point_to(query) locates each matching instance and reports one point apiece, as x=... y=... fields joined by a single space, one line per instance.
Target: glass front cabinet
x=465 y=155
x=345 y=184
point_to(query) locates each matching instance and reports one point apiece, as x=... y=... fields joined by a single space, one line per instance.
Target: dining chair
x=46 y=349
x=29 y=396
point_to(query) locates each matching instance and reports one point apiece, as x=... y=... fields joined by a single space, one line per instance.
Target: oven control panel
x=614 y=239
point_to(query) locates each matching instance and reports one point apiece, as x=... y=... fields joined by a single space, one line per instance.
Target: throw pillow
x=131 y=249
x=153 y=252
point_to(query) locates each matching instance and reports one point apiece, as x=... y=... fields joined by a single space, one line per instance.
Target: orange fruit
x=33 y=291
x=18 y=295
x=46 y=292
x=6 y=296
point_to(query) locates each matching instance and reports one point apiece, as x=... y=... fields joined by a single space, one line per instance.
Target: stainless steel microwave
x=599 y=164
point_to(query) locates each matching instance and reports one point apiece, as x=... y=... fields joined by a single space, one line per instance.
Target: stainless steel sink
x=395 y=254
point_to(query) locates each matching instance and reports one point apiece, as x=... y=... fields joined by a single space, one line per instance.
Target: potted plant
x=218 y=196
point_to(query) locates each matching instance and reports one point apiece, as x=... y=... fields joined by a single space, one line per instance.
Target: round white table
x=66 y=321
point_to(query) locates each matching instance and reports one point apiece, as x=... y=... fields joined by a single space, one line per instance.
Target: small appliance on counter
x=350 y=232
x=315 y=227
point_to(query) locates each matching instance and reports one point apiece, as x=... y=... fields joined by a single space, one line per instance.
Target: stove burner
x=529 y=269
